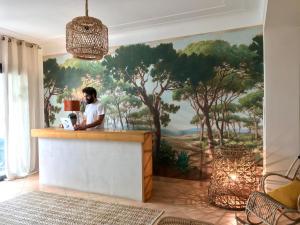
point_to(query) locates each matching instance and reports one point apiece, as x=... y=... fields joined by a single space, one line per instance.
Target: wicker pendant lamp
x=86 y=37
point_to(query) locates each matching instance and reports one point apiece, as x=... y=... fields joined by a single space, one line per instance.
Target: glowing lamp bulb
x=233 y=177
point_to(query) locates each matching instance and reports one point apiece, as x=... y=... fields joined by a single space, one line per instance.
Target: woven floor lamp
x=234 y=177
x=87 y=37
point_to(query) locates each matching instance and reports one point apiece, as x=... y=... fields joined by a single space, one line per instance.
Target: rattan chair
x=262 y=209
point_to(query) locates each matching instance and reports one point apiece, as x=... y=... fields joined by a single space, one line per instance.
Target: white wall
x=282 y=84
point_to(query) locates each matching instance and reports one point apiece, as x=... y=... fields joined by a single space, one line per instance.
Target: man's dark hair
x=90 y=91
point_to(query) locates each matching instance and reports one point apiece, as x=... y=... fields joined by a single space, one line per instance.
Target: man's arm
x=97 y=122
x=81 y=125
x=94 y=124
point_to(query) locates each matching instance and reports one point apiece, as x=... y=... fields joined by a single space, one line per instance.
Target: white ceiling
x=43 y=21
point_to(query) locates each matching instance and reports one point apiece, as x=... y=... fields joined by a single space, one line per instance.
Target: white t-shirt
x=91 y=113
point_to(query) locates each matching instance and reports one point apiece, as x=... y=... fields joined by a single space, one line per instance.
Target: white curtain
x=21 y=104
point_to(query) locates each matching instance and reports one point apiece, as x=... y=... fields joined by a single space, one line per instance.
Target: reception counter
x=110 y=162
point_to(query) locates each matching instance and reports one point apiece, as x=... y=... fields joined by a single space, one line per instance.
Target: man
x=94 y=112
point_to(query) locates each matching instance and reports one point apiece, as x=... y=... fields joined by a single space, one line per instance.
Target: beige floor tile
x=176 y=197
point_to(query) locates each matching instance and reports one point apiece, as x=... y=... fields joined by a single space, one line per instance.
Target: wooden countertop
x=110 y=135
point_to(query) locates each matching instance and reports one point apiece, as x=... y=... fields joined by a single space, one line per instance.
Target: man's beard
x=89 y=101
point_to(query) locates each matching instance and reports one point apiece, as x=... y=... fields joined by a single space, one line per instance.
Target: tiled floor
x=176 y=197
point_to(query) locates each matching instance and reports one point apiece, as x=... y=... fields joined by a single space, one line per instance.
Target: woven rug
x=40 y=208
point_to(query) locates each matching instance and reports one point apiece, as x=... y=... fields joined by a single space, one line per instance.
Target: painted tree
x=131 y=104
x=148 y=70
x=141 y=119
x=67 y=80
x=55 y=80
x=116 y=96
x=222 y=114
x=257 y=65
x=197 y=69
x=252 y=104
x=215 y=70
x=248 y=123
x=121 y=104
x=93 y=68
x=238 y=84
x=122 y=101
x=235 y=120
x=112 y=114
x=92 y=75
x=198 y=120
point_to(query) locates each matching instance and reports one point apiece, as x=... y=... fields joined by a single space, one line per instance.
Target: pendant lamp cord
x=86 y=8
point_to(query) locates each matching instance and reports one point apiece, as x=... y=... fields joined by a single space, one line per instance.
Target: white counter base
x=99 y=166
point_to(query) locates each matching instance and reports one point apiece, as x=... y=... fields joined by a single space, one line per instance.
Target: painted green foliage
x=140 y=64
x=216 y=74
x=59 y=80
x=223 y=84
x=252 y=104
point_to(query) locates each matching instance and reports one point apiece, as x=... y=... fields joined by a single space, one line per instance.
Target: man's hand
x=85 y=126
x=79 y=127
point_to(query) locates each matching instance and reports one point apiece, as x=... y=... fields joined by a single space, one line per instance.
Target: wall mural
x=196 y=93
